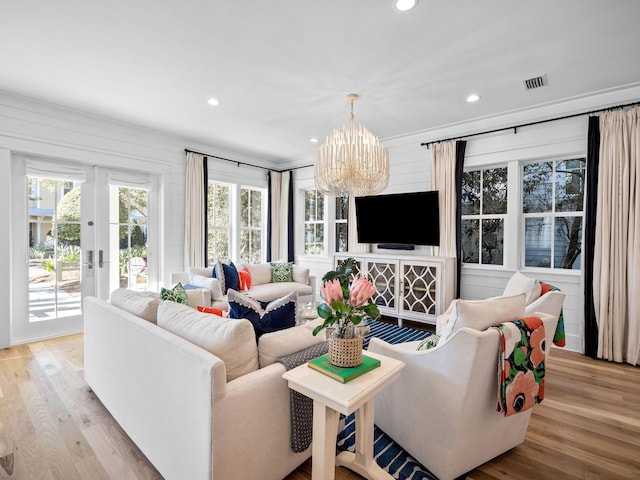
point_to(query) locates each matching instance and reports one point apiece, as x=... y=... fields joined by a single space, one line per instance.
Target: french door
x=85 y=232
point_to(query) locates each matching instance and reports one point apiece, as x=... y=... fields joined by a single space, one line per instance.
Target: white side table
x=330 y=399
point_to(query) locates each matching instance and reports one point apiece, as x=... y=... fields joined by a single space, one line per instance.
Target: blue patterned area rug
x=388 y=454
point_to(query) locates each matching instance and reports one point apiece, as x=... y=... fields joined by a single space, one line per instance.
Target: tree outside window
x=313 y=222
x=218 y=222
x=553 y=204
x=250 y=225
x=484 y=209
x=342 y=224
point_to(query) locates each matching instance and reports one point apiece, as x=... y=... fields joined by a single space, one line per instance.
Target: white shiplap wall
x=31 y=128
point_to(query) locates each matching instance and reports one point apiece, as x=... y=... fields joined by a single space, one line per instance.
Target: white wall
x=36 y=129
x=410 y=170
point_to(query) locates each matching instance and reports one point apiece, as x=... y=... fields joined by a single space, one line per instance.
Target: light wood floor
x=53 y=427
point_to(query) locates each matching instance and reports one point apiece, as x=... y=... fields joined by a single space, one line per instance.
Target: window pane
x=537 y=242
x=492 y=241
x=256 y=247
x=471 y=193
x=309 y=205
x=568 y=241
x=220 y=209
x=342 y=239
x=342 y=208
x=256 y=208
x=494 y=191
x=570 y=177
x=537 y=187
x=319 y=206
x=470 y=241
x=244 y=208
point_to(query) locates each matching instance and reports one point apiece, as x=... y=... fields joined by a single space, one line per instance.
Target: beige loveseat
x=210 y=292
x=194 y=392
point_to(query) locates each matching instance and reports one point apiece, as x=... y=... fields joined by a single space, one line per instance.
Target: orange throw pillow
x=245 y=279
x=215 y=311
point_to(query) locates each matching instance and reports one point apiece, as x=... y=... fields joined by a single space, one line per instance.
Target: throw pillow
x=233 y=341
x=482 y=314
x=244 y=276
x=265 y=316
x=519 y=283
x=176 y=294
x=227 y=275
x=282 y=272
x=214 y=311
x=429 y=342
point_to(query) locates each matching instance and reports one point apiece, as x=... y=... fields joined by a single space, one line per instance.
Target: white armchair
x=442 y=409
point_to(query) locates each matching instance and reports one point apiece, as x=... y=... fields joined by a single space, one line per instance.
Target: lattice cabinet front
x=408 y=287
x=383 y=276
x=419 y=287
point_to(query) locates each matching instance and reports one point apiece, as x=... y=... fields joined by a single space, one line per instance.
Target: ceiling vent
x=535 y=82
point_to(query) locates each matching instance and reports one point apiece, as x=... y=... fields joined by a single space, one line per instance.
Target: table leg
x=362 y=460
x=323 y=450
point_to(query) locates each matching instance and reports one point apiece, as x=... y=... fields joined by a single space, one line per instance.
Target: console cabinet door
x=384 y=274
x=419 y=289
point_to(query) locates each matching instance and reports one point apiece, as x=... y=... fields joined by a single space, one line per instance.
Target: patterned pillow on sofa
x=281 y=272
x=176 y=294
x=265 y=316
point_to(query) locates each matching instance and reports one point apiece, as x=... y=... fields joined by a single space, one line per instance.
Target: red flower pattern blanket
x=521 y=365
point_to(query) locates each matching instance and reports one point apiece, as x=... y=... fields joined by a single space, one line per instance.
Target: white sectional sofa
x=195 y=414
x=262 y=288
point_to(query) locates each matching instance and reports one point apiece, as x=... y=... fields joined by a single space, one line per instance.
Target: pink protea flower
x=361 y=291
x=331 y=291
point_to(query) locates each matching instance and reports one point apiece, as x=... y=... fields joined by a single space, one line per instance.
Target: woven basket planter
x=344 y=350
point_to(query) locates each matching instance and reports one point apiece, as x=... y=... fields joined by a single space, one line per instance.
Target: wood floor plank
x=53 y=426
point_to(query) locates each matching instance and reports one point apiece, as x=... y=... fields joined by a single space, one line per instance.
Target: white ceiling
x=282 y=68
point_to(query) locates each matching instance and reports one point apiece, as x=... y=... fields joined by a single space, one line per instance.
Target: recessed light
x=213 y=101
x=404 y=5
x=473 y=98
x=313 y=140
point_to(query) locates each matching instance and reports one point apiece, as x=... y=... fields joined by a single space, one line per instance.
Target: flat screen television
x=399 y=220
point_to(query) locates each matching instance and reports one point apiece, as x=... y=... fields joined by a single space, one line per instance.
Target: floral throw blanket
x=558 y=337
x=521 y=365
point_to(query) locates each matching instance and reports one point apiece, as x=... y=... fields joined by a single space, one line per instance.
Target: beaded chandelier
x=352 y=161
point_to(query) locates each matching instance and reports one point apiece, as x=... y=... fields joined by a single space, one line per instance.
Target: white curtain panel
x=616 y=279
x=279 y=214
x=443 y=179
x=194 y=242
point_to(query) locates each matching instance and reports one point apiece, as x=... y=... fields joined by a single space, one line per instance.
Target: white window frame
x=553 y=214
x=505 y=217
x=262 y=229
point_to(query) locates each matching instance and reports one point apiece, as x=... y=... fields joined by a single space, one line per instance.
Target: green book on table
x=341 y=374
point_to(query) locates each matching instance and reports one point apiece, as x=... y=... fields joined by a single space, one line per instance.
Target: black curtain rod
x=238 y=162
x=515 y=127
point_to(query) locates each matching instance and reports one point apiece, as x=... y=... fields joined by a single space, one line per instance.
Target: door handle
x=100 y=259
x=90 y=259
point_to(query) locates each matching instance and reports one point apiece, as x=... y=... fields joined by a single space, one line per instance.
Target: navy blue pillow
x=227 y=275
x=265 y=316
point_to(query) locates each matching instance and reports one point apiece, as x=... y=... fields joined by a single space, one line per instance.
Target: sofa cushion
x=300 y=274
x=260 y=273
x=520 y=283
x=274 y=345
x=270 y=291
x=233 y=341
x=265 y=317
x=281 y=272
x=481 y=314
x=176 y=294
x=139 y=304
